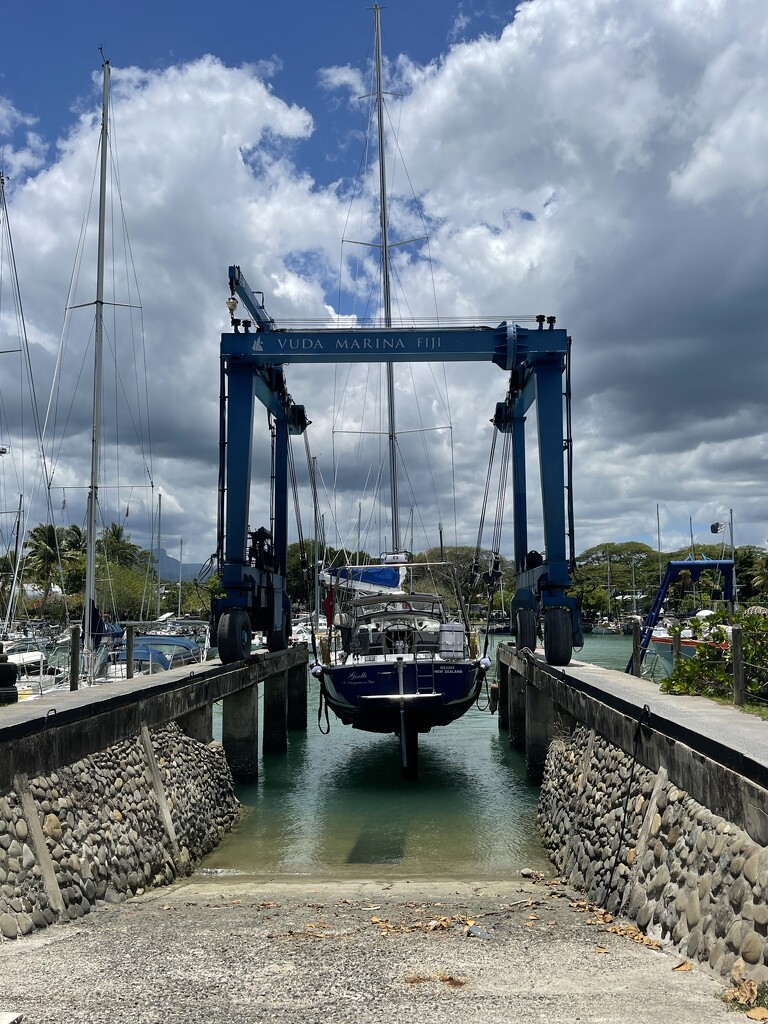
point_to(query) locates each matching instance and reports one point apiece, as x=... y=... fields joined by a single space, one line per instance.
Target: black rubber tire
x=233 y=636
x=9 y=672
x=526 y=629
x=8 y=695
x=558 y=637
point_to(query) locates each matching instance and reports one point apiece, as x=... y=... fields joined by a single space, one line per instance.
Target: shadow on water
x=336 y=806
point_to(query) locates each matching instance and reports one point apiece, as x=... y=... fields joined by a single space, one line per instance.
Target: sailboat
x=398 y=660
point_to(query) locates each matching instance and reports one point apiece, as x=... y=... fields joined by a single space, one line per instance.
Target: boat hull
x=371 y=696
x=663 y=648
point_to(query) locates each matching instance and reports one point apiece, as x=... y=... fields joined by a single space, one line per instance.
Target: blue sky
x=45 y=66
x=605 y=161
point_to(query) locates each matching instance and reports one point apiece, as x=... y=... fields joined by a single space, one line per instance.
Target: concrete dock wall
x=638 y=844
x=110 y=826
x=655 y=806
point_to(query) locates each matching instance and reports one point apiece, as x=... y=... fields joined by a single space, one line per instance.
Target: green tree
x=47 y=559
x=115 y=544
x=759 y=578
x=634 y=577
x=6 y=581
x=74 y=545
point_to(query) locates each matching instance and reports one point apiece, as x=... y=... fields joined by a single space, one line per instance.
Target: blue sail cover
x=389 y=576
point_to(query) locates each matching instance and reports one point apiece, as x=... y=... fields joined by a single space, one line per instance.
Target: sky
x=604 y=161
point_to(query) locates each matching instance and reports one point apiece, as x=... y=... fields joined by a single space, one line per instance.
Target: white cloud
x=603 y=161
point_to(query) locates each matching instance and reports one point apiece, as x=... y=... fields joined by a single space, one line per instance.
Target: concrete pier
x=37 y=736
x=297 y=696
x=516 y=710
x=240 y=732
x=198 y=723
x=716 y=753
x=276 y=714
x=540 y=717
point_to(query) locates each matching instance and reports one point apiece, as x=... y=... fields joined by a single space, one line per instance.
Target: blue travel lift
x=252 y=565
x=725 y=567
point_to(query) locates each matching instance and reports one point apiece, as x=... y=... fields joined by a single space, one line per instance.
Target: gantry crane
x=252 y=564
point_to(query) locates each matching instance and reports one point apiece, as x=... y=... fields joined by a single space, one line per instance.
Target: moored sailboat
x=399 y=660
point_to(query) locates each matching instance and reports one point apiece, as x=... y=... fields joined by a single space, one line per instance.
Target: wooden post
x=42 y=854
x=636 y=665
x=74 y=657
x=129 y=636
x=160 y=795
x=737 y=656
x=676 y=652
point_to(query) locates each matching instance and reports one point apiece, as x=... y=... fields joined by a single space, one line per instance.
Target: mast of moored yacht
x=385 y=282
x=90 y=556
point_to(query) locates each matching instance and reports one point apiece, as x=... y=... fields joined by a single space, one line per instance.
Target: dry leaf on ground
x=745 y=992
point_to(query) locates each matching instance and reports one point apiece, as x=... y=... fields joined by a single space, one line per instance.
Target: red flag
x=328 y=606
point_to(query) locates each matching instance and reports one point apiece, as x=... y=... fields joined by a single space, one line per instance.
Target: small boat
x=177 y=650
x=662 y=641
x=146 y=661
x=606 y=627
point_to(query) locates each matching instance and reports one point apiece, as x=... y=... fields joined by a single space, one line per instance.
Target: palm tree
x=46 y=557
x=116 y=546
x=74 y=547
x=759 y=576
x=6 y=581
x=75 y=539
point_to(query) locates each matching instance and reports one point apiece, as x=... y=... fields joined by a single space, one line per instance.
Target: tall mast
x=385 y=282
x=159 y=549
x=90 y=557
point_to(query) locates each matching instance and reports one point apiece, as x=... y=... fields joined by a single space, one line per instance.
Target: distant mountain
x=169 y=568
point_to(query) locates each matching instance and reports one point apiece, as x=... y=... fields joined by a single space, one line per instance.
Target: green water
x=336 y=806
x=606 y=650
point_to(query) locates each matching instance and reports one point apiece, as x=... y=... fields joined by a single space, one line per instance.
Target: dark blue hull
x=370 y=695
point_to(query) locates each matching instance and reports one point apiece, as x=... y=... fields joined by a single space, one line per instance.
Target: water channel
x=336 y=806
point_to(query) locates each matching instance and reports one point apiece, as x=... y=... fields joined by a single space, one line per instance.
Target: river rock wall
x=636 y=843
x=130 y=818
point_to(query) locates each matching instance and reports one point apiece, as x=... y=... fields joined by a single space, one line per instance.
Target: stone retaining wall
x=682 y=874
x=110 y=826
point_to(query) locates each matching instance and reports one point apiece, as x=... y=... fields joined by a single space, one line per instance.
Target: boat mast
x=159 y=549
x=90 y=557
x=385 y=283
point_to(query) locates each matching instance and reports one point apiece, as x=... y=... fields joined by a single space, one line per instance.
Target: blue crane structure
x=252 y=565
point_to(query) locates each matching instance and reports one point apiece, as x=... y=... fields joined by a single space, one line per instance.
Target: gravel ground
x=239 y=950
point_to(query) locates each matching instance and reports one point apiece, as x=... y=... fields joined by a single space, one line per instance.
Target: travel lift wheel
x=558 y=636
x=233 y=637
x=526 y=629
